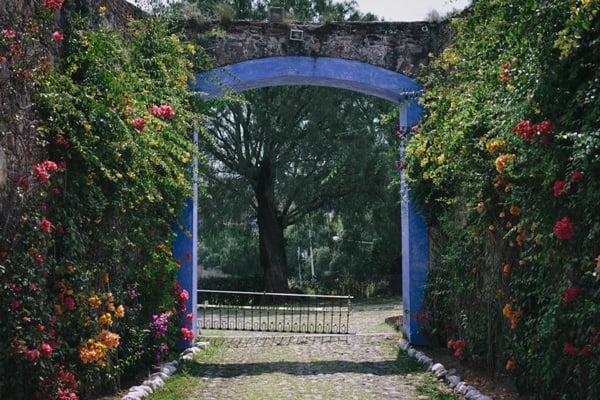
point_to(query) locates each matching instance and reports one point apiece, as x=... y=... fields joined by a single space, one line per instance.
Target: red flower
x=563 y=229
x=139 y=124
x=559 y=188
x=570 y=294
x=15 y=304
x=53 y=5
x=46 y=225
x=576 y=176
x=39 y=260
x=33 y=355
x=59 y=37
x=189 y=317
x=586 y=351
x=45 y=350
x=187 y=334
x=69 y=303
x=569 y=349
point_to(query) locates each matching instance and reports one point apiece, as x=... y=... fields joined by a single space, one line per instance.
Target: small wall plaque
x=296 y=34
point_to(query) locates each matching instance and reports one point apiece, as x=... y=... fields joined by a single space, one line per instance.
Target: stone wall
x=398 y=46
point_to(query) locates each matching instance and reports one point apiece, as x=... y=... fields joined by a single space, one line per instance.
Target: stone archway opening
x=326 y=72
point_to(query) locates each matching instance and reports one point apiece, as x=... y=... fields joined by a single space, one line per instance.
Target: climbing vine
x=87 y=275
x=506 y=169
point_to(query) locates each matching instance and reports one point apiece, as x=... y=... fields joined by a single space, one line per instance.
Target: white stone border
x=440 y=372
x=165 y=371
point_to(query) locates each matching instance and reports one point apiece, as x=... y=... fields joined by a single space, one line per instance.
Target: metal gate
x=273 y=312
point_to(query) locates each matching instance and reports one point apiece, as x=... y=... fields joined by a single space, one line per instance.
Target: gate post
x=185 y=250
x=415 y=243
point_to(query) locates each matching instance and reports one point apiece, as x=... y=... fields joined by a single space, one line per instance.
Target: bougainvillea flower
x=559 y=188
x=563 y=229
x=58 y=36
x=570 y=294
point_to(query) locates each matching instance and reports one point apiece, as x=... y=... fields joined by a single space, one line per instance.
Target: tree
x=287 y=155
x=305 y=10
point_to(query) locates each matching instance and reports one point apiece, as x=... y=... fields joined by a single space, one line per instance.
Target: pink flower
x=8 y=33
x=40 y=327
x=58 y=36
x=189 y=317
x=163 y=111
x=569 y=349
x=33 y=355
x=576 y=175
x=559 y=188
x=15 y=304
x=563 y=229
x=570 y=294
x=45 y=350
x=139 y=124
x=46 y=225
x=39 y=260
x=187 y=334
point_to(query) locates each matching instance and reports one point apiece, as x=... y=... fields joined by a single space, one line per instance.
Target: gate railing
x=273 y=312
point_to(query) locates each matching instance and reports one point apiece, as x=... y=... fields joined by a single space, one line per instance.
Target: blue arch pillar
x=185 y=250
x=341 y=74
x=415 y=241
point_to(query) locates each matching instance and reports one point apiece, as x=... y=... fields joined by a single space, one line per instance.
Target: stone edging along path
x=440 y=372
x=159 y=378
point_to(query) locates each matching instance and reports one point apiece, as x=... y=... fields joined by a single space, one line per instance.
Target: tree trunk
x=272 y=241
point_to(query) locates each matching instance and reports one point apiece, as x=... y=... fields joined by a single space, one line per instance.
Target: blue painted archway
x=335 y=73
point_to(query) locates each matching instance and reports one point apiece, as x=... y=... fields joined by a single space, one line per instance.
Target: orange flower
x=109 y=339
x=514 y=210
x=510 y=364
x=92 y=352
x=120 y=312
x=512 y=315
x=105 y=320
x=95 y=301
x=502 y=161
x=506 y=269
x=480 y=207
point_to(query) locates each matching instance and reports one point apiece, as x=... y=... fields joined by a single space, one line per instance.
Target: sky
x=409 y=10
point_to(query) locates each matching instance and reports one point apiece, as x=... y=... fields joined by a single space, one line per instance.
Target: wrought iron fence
x=273 y=312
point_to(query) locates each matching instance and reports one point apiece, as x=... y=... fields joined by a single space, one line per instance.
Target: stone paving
x=364 y=365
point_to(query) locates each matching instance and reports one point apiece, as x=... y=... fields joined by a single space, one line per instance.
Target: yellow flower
x=101 y=9
x=87 y=127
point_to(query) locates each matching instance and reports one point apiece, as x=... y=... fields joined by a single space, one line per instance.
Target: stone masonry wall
x=398 y=46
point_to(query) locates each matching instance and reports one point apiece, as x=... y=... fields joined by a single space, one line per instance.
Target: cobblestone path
x=364 y=365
